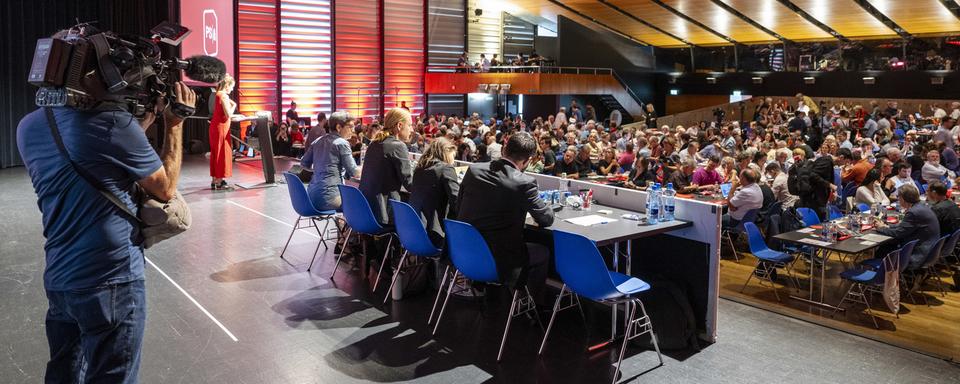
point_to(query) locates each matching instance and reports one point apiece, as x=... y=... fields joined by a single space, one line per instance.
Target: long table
x=613 y=232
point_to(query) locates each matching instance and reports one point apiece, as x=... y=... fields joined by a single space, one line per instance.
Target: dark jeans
x=728 y=222
x=95 y=334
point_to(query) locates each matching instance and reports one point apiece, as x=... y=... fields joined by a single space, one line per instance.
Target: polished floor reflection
x=224 y=279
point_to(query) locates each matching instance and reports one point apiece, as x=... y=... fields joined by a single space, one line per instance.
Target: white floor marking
x=217 y=322
x=271 y=217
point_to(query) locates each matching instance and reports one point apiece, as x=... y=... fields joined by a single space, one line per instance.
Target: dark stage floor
x=224 y=308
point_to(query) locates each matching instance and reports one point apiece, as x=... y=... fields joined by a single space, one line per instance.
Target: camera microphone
x=206 y=69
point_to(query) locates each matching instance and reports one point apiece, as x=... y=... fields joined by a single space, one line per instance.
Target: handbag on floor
x=158 y=220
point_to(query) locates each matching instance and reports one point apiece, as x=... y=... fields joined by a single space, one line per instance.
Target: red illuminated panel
x=305 y=56
x=258 y=79
x=358 y=60
x=403 y=62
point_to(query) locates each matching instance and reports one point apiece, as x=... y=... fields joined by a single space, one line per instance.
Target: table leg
x=613 y=315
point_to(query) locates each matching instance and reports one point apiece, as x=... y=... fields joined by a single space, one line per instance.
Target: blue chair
x=359 y=216
x=584 y=273
x=834 y=212
x=863 y=207
x=848 y=189
x=809 y=216
x=767 y=259
x=728 y=233
x=865 y=281
x=414 y=239
x=306 y=212
x=471 y=257
x=927 y=268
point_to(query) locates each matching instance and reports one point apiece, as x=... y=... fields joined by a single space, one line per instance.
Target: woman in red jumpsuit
x=221 y=154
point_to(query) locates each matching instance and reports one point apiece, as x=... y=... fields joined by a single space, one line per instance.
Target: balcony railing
x=541 y=69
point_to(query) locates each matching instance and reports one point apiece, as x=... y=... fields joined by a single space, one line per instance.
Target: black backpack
x=798 y=179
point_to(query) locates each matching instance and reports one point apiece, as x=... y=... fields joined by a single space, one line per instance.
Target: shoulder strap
x=55 y=132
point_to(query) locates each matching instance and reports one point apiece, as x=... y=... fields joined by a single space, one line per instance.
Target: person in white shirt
x=779 y=185
x=484 y=63
x=938 y=113
x=955 y=110
x=746 y=196
x=493 y=148
x=932 y=169
x=561 y=119
x=901 y=177
x=944 y=132
x=870 y=192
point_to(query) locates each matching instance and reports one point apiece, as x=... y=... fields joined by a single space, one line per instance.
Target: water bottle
x=363 y=153
x=563 y=189
x=668 y=202
x=653 y=205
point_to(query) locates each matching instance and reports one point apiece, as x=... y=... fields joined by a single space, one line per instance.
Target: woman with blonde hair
x=221 y=154
x=435 y=186
x=386 y=166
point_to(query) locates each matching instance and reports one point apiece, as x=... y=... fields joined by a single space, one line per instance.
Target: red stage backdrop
x=211 y=26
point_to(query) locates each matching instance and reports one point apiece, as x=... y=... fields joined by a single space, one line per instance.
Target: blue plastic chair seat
x=628 y=285
x=872 y=263
x=772 y=256
x=859 y=275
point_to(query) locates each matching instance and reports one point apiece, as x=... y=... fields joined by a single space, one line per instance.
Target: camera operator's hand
x=183 y=96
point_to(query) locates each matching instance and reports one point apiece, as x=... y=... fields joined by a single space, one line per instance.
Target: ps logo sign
x=210 y=29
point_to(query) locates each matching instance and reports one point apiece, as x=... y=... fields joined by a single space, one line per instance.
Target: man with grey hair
x=893 y=153
x=682 y=178
x=918 y=223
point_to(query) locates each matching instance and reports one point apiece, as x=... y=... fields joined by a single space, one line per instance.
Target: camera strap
x=96 y=184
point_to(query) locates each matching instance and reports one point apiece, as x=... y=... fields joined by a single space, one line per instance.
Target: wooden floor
x=933 y=329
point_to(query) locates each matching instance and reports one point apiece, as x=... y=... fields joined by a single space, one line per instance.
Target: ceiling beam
x=952 y=6
x=600 y=23
x=644 y=22
x=750 y=21
x=813 y=20
x=694 y=21
x=883 y=18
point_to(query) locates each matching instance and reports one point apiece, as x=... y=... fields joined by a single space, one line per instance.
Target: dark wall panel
x=24 y=21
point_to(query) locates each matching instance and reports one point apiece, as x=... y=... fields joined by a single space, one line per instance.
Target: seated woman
x=331 y=159
x=387 y=165
x=870 y=191
x=608 y=163
x=435 y=186
x=641 y=174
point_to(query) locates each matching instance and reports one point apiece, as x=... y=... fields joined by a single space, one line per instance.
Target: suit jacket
x=495 y=198
x=918 y=223
x=948 y=215
x=433 y=193
x=386 y=168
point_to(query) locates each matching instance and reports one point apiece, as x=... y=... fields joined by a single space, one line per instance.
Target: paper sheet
x=874 y=237
x=867 y=242
x=805 y=230
x=589 y=220
x=815 y=242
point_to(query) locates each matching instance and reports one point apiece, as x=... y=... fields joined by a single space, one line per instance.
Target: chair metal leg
x=631 y=308
x=396 y=275
x=314 y=258
x=751 y=276
x=553 y=316
x=513 y=307
x=866 y=301
x=340 y=256
x=445 y=300
x=295 y=225
x=383 y=262
x=323 y=239
x=443 y=281
x=653 y=336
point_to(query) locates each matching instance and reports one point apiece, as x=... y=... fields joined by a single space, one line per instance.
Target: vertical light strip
x=258 y=80
x=403 y=54
x=358 y=58
x=306 y=67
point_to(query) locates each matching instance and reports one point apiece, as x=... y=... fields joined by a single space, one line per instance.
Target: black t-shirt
x=573 y=168
x=641 y=178
x=604 y=164
x=585 y=166
x=292 y=115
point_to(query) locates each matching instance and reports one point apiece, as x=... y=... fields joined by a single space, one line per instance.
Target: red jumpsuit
x=221 y=154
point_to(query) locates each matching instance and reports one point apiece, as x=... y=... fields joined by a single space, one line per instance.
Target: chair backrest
x=848 y=189
x=835 y=212
x=950 y=245
x=755 y=238
x=863 y=207
x=581 y=267
x=356 y=210
x=934 y=254
x=469 y=252
x=410 y=230
x=298 y=196
x=809 y=216
x=905 y=251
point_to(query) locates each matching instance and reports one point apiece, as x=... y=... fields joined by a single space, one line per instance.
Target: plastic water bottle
x=653 y=205
x=668 y=202
x=563 y=189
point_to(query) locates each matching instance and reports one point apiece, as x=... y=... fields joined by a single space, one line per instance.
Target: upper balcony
x=535 y=80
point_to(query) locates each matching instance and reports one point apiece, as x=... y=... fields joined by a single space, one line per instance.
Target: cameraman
x=94 y=261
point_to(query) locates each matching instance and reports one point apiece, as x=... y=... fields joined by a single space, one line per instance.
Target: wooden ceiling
x=679 y=23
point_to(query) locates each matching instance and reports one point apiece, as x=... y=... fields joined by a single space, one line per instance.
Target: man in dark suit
x=948 y=214
x=919 y=223
x=495 y=198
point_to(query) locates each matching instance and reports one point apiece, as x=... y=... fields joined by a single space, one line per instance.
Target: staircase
x=608 y=104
